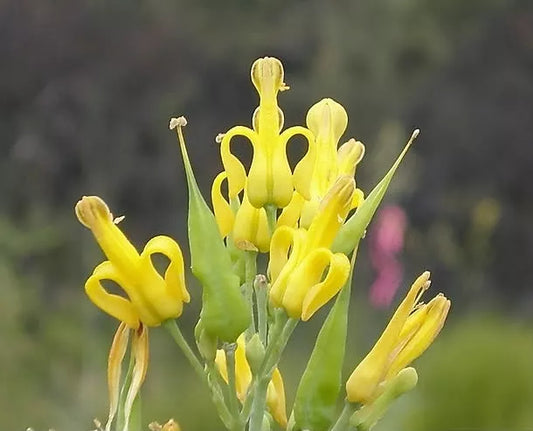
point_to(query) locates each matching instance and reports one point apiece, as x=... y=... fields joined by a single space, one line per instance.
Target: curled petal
x=232 y=165
x=321 y=293
x=282 y=241
x=222 y=209
x=114 y=368
x=114 y=305
x=304 y=169
x=140 y=352
x=174 y=275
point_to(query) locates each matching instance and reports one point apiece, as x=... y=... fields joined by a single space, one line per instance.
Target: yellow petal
x=220 y=361
x=321 y=293
x=114 y=305
x=332 y=212
x=232 y=165
x=276 y=399
x=222 y=209
x=304 y=168
x=362 y=384
x=168 y=302
x=251 y=226
x=243 y=373
x=303 y=277
x=282 y=241
x=270 y=177
x=93 y=213
x=281 y=267
x=327 y=120
x=267 y=76
x=140 y=351
x=349 y=155
x=114 y=368
x=437 y=310
x=291 y=213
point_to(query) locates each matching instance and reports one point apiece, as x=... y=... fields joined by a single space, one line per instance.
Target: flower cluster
x=308 y=220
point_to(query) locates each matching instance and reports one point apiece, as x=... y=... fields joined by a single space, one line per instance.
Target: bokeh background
x=86 y=91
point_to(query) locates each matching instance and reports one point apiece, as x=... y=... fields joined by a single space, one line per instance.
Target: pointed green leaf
x=353 y=230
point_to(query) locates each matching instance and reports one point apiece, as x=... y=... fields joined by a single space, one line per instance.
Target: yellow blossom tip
x=177 y=122
x=90 y=209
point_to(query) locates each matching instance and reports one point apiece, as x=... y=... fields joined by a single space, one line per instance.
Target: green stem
x=215 y=383
x=261 y=296
x=178 y=337
x=250 y=270
x=229 y=349
x=272 y=357
x=123 y=392
x=343 y=422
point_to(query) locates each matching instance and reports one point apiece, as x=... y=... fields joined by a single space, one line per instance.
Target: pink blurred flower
x=386 y=242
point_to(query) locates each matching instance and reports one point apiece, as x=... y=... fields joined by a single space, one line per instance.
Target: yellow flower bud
x=411 y=330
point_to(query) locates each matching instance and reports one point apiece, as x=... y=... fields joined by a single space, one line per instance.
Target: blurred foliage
x=86 y=90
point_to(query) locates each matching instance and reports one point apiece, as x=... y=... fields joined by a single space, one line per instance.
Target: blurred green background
x=86 y=91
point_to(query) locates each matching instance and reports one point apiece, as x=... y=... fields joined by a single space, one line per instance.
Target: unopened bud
x=255 y=353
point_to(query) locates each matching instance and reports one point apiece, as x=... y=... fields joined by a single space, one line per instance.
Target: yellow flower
x=327 y=120
x=410 y=332
x=269 y=180
x=140 y=353
x=299 y=258
x=151 y=298
x=248 y=227
x=243 y=378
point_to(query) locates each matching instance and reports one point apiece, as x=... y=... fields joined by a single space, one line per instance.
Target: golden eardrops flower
x=299 y=258
x=269 y=179
x=410 y=332
x=327 y=120
x=248 y=227
x=151 y=298
x=243 y=379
